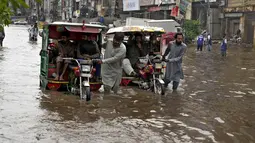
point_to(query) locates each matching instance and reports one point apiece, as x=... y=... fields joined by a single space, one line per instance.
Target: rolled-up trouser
x=175 y=84
x=115 y=88
x=98 y=69
x=127 y=66
x=60 y=59
x=209 y=47
x=223 y=53
x=199 y=47
x=1 y=42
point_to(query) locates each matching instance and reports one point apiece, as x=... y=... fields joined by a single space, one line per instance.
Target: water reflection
x=215 y=102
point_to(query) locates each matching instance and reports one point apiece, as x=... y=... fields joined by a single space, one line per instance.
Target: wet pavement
x=215 y=102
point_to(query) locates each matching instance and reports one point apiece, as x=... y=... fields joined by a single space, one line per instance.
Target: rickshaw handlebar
x=150 y=57
x=81 y=61
x=68 y=59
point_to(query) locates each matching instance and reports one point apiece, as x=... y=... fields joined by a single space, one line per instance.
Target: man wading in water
x=2 y=35
x=115 y=52
x=174 y=70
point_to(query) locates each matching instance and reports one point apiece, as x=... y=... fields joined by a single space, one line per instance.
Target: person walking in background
x=209 y=42
x=200 y=42
x=2 y=35
x=223 y=46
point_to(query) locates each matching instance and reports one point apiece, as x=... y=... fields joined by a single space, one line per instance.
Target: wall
x=250 y=20
x=215 y=23
x=254 y=37
x=232 y=27
x=146 y=2
x=199 y=12
x=237 y=3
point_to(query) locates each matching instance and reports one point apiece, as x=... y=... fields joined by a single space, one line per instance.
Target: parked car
x=20 y=23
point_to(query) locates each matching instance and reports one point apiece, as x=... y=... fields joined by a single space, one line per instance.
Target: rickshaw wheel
x=53 y=86
x=125 y=82
x=86 y=93
x=95 y=86
x=160 y=88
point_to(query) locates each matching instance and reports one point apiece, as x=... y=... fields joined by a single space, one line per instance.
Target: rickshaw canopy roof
x=134 y=29
x=76 y=29
x=76 y=24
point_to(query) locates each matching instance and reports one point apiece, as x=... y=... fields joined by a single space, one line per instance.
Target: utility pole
x=208 y=17
x=38 y=10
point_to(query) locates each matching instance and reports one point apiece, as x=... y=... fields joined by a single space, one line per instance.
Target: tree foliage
x=6 y=7
x=192 y=29
x=5 y=14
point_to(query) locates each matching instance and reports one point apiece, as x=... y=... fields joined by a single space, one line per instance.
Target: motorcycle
x=150 y=75
x=33 y=34
x=236 y=39
x=82 y=76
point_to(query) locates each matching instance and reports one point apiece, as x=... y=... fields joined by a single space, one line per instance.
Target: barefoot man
x=66 y=50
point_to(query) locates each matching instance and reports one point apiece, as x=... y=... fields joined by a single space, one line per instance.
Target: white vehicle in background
x=132 y=21
x=169 y=25
x=95 y=23
x=20 y=23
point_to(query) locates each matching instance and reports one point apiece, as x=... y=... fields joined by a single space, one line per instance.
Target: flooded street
x=215 y=102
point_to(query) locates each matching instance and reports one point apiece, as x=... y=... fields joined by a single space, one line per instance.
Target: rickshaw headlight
x=158 y=66
x=85 y=68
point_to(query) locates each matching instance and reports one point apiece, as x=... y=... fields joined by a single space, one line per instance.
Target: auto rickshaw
x=151 y=68
x=80 y=75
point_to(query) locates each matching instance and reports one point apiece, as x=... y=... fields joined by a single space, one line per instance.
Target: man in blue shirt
x=200 y=42
x=224 y=46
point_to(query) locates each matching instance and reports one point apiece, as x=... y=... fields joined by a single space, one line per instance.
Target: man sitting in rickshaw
x=154 y=44
x=136 y=48
x=88 y=48
x=66 y=50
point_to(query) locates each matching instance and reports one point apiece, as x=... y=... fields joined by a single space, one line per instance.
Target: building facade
x=240 y=14
x=149 y=9
x=211 y=22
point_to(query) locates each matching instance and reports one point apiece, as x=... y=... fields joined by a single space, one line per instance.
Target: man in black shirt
x=88 y=48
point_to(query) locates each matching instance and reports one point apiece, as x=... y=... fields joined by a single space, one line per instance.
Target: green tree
x=6 y=10
x=192 y=29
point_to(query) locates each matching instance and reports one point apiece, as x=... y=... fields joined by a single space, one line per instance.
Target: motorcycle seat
x=72 y=66
x=141 y=66
x=156 y=61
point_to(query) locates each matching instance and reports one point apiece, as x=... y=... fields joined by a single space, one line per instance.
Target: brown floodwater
x=215 y=102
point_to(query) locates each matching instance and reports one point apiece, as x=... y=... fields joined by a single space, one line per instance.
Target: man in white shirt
x=209 y=42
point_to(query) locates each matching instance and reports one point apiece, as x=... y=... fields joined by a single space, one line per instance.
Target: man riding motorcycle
x=33 y=32
x=88 y=49
x=135 y=49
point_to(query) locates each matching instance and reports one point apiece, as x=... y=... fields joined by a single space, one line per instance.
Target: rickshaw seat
x=156 y=61
x=72 y=67
x=141 y=66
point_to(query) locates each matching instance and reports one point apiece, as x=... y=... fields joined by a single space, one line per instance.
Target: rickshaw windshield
x=75 y=32
x=66 y=57
x=151 y=37
x=72 y=40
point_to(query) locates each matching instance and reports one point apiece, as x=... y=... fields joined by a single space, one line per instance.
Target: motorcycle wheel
x=86 y=93
x=160 y=88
